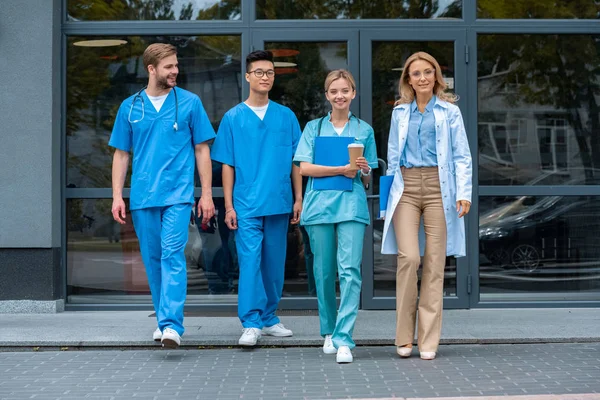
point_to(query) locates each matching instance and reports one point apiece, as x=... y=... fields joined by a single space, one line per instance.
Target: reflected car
x=531 y=232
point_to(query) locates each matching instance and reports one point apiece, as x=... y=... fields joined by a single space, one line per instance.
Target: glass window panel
x=357 y=9
x=104 y=263
x=538 y=109
x=301 y=69
x=388 y=61
x=384 y=265
x=100 y=78
x=117 y=10
x=539 y=248
x=536 y=9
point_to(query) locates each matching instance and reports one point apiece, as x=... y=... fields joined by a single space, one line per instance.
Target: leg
x=252 y=299
x=323 y=245
x=273 y=264
x=308 y=261
x=174 y=236
x=350 y=237
x=434 y=262
x=406 y=220
x=147 y=228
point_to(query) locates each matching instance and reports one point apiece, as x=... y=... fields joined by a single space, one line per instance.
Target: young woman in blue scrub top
x=429 y=157
x=255 y=143
x=168 y=131
x=335 y=219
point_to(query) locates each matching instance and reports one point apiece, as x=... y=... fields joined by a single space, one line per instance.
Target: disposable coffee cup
x=355 y=150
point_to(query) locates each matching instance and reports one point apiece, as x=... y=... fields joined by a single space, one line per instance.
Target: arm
x=297 y=185
x=393 y=157
x=206 y=207
x=228 y=179
x=320 y=171
x=119 y=171
x=462 y=162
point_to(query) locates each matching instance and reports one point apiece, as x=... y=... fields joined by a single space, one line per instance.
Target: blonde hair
x=407 y=93
x=156 y=52
x=339 y=74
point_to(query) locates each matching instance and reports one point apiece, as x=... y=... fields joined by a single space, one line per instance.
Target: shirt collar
x=428 y=107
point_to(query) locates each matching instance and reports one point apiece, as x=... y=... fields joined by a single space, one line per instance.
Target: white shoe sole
x=329 y=350
x=404 y=352
x=344 y=360
x=428 y=355
x=247 y=344
x=169 y=343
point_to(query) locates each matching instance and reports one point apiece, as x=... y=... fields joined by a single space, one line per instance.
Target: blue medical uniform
x=162 y=189
x=261 y=153
x=336 y=221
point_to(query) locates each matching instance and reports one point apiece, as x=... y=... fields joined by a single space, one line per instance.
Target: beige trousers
x=421 y=197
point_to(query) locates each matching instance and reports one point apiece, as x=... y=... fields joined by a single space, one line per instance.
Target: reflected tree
x=561 y=71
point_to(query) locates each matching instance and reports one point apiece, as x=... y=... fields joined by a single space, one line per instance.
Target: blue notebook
x=385 y=184
x=332 y=151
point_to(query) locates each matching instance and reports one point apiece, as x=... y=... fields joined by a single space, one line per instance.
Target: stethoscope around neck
x=138 y=95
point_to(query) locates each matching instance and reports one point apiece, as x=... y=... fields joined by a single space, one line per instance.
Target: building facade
x=527 y=73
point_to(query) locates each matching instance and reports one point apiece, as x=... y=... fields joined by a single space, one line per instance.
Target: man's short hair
x=156 y=52
x=258 y=55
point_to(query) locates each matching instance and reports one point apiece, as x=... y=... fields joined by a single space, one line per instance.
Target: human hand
x=118 y=210
x=463 y=207
x=231 y=219
x=363 y=164
x=297 y=211
x=206 y=208
x=349 y=172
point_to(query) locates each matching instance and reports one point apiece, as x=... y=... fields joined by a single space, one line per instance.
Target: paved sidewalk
x=134 y=328
x=303 y=373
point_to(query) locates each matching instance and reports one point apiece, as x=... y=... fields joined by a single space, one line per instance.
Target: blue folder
x=385 y=184
x=332 y=151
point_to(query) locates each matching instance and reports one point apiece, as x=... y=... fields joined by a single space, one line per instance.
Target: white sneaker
x=157 y=335
x=277 y=330
x=328 y=347
x=170 y=339
x=249 y=337
x=344 y=355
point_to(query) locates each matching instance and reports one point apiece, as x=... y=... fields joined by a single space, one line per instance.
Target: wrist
x=368 y=173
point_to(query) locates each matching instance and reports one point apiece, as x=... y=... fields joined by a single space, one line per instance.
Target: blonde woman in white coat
x=429 y=157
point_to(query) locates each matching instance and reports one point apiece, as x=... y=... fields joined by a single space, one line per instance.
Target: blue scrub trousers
x=337 y=246
x=261 y=245
x=163 y=234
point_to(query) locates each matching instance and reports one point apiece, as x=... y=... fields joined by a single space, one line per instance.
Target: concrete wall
x=30 y=184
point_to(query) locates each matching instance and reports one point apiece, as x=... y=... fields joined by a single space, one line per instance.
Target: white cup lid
x=356 y=145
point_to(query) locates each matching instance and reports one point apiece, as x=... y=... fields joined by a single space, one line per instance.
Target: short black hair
x=258 y=55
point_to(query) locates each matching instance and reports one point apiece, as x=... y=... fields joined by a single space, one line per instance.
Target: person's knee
x=408 y=259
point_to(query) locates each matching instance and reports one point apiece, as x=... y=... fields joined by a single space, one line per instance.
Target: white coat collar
x=438 y=102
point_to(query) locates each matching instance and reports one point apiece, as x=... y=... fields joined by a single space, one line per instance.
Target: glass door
x=382 y=56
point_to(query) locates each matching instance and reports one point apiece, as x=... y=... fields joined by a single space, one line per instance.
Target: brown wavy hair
x=407 y=93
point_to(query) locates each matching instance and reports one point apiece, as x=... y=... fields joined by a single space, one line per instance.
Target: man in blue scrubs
x=256 y=142
x=168 y=131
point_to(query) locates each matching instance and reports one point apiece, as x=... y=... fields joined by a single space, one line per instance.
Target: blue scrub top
x=420 y=150
x=163 y=158
x=335 y=206
x=261 y=152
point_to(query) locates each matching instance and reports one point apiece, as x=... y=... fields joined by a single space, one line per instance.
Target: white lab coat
x=454 y=166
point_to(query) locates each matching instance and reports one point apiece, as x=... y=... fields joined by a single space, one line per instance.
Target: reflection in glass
x=538 y=111
x=116 y=10
x=388 y=60
x=533 y=245
x=100 y=78
x=358 y=9
x=384 y=268
x=301 y=69
x=535 y=9
x=104 y=263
